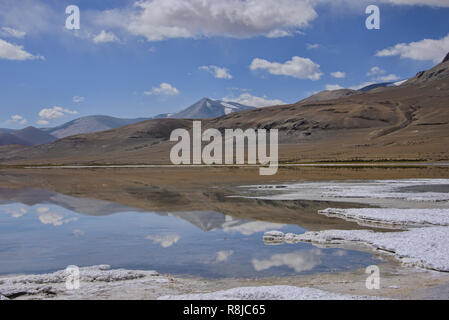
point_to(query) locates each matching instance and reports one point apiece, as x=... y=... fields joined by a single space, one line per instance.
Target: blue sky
x=160 y=56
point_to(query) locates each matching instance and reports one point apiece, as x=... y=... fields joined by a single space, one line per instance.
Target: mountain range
x=409 y=121
x=29 y=136
x=205 y=108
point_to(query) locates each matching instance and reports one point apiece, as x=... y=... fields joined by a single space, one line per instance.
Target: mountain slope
x=207 y=108
x=329 y=95
x=90 y=124
x=441 y=71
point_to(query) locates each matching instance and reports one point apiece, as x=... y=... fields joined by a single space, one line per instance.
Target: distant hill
x=29 y=136
x=8 y=139
x=343 y=93
x=90 y=124
x=207 y=108
x=34 y=136
x=329 y=95
x=4 y=130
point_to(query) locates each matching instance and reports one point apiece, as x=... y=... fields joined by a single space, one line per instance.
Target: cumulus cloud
x=12 y=33
x=105 y=37
x=18 y=119
x=55 y=113
x=279 y=34
x=311 y=46
x=425 y=50
x=432 y=3
x=217 y=72
x=252 y=227
x=164 y=241
x=297 y=67
x=338 y=74
x=53 y=218
x=15 y=212
x=158 y=20
x=375 y=71
x=254 y=101
x=387 y=78
x=332 y=87
x=42 y=122
x=77 y=99
x=163 y=89
x=379 y=75
x=10 y=51
x=299 y=261
x=30 y=16
x=78 y=233
x=223 y=256
x=163 y=19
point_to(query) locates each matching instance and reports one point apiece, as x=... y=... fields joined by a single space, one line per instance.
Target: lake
x=43 y=231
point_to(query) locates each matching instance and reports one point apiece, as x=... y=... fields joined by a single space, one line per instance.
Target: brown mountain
x=330 y=95
x=438 y=72
x=408 y=122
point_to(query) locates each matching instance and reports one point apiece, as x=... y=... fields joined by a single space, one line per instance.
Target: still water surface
x=43 y=231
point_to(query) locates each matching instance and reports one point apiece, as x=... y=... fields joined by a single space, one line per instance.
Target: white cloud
x=299 y=261
x=30 y=16
x=105 y=37
x=338 y=74
x=279 y=34
x=254 y=101
x=163 y=89
x=78 y=233
x=223 y=256
x=432 y=3
x=387 y=78
x=18 y=119
x=219 y=73
x=15 y=212
x=252 y=227
x=53 y=218
x=378 y=75
x=375 y=71
x=42 y=122
x=425 y=50
x=77 y=99
x=10 y=51
x=311 y=46
x=362 y=85
x=12 y=33
x=55 y=113
x=163 y=19
x=297 y=67
x=332 y=87
x=164 y=241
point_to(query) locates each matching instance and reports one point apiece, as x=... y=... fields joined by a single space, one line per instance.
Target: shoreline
x=102 y=283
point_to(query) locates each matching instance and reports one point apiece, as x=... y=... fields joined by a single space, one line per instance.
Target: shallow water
x=43 y=231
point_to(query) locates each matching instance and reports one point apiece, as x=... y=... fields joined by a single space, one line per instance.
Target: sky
x=142 y=58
